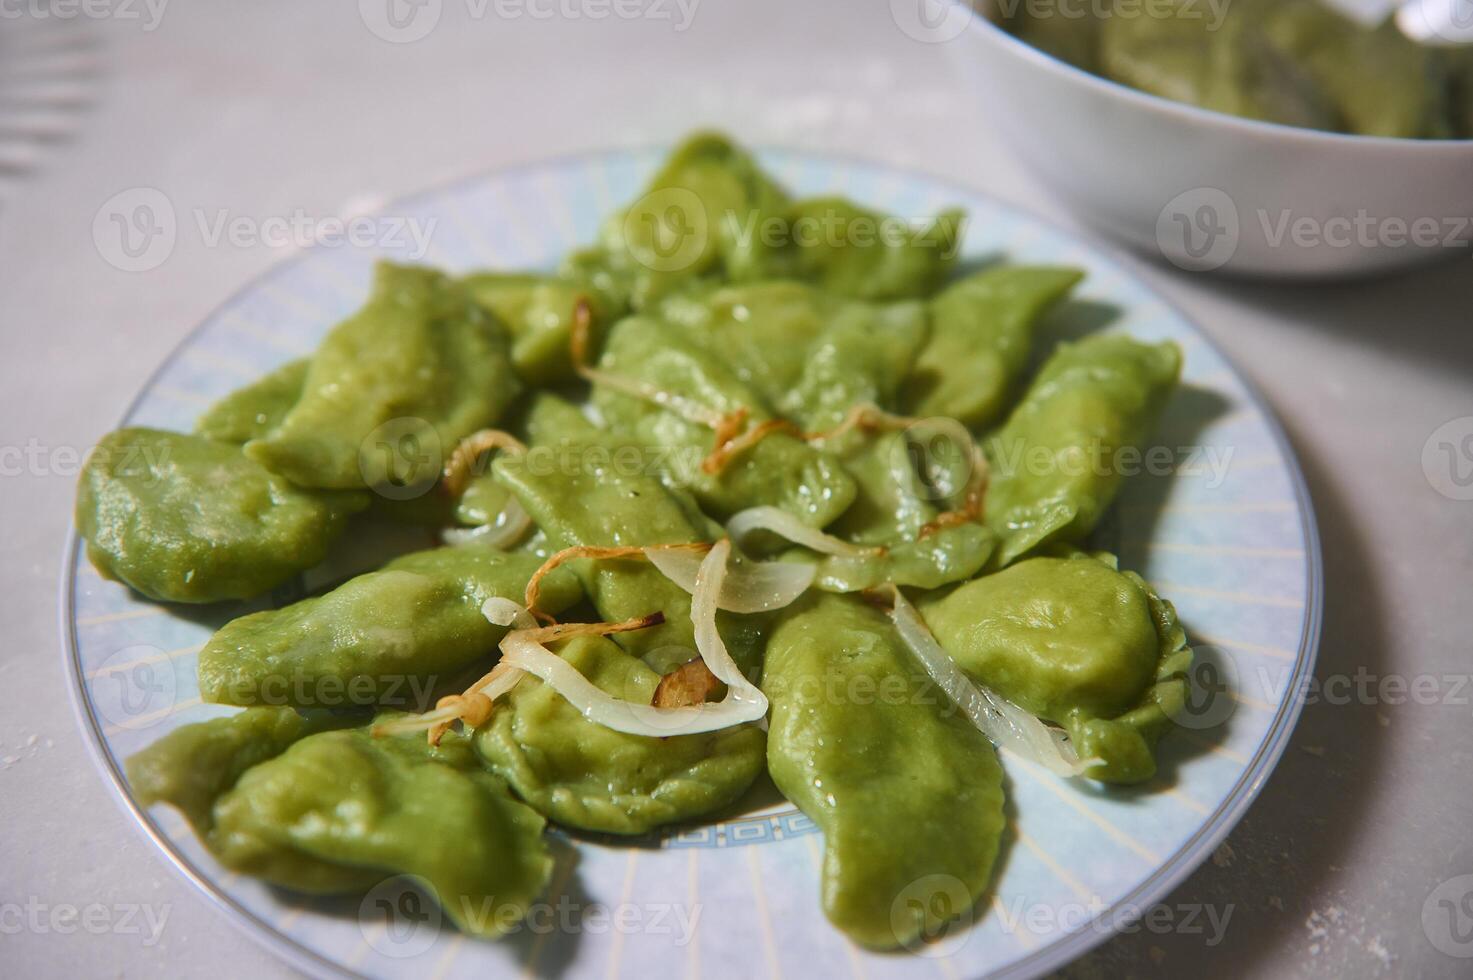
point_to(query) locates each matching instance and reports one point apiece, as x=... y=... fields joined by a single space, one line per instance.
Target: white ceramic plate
x=1224 y=529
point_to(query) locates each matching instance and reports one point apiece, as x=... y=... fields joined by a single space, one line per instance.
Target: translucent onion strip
x=505 y=531
x=749 y=587
x=1003 y=722
x=709 y=579
x=785 y=525
x=743 y=702
x=505 y=612
x=473 y=706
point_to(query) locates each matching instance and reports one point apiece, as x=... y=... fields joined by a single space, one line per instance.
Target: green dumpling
x=386 y=637
x=781 y=470
x=1076 y=642
x=863 y=254
x=862 y=356
x=906 y=790
x=712 y=215
x=698 y=218
x=254 y=410
x=420 y=356
x=949 y=555
x=1295 y=62
x=183 y=518
x=538 y=311
x=192 y=766
x=803 y=353
x=276 y=797
x=576 y=492
x=1409 y=100
x=584 y=775
x=1057 y=462
x=379 y=807
x=981 y=335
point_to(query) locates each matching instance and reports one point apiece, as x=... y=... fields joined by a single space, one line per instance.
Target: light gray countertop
x=267 y=107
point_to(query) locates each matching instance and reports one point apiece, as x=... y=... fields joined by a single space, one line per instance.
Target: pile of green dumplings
x=679 y=299
x=1293 y=62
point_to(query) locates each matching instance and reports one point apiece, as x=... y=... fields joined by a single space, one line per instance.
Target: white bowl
x=1211 y=191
